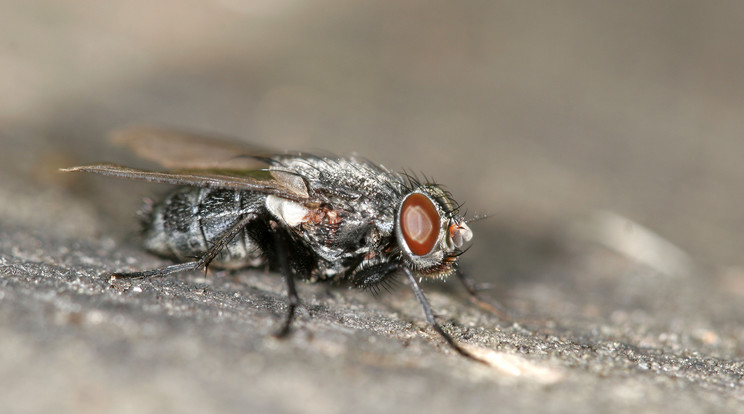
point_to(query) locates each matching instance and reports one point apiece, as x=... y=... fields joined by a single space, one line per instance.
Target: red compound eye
x=419 y=223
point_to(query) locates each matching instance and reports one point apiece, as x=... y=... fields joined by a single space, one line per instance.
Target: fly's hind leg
x=201 y=263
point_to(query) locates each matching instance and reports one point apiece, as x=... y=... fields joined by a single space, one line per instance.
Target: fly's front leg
x=202 y=262
x=371 y=278
x=475 y=297
x=432 y=320
x=382 y=273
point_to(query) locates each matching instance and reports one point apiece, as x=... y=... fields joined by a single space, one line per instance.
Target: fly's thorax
x=429 y=230
x=341 y=235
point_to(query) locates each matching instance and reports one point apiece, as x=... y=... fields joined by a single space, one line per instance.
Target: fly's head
x=430 y=231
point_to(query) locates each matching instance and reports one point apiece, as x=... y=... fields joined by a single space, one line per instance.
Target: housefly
x=313 y=218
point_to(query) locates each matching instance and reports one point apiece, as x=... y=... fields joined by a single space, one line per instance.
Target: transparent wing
x=175 y=150
x=282 y=184
x=200 y=161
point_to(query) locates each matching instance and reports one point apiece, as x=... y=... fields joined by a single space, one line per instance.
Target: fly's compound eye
x=419 y=224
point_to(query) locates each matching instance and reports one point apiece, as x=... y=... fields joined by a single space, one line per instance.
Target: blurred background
x=620 y=124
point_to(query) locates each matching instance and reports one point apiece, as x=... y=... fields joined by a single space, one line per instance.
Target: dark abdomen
x=190 y=220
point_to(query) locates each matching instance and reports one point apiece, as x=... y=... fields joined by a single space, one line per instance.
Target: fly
x=311 y=218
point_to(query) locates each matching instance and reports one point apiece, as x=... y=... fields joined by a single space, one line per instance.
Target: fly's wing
x=178 y=150
x=285 y=185
x=200 y=161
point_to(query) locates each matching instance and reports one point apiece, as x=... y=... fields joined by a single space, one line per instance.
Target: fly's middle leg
x=280 y=246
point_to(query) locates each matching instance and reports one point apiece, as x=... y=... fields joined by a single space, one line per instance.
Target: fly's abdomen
x=191 y=220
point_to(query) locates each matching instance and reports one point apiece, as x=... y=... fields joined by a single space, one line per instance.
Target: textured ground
x=604 y=140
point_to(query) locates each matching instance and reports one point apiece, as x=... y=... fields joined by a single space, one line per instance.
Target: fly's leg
x=371 y=278
x=382 y=273
x=432 y=320
x=293 y=303
x=280 y=244
x=476 y=298
x=161 y=271
x=203 y=261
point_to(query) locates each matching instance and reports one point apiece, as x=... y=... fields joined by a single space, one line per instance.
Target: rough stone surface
x=604 y=142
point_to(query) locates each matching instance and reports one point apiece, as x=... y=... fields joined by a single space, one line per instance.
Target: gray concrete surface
x=604 y=139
